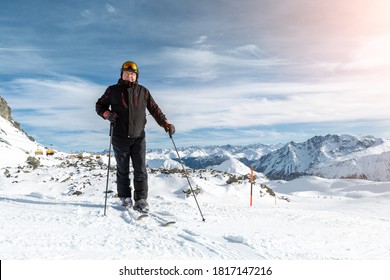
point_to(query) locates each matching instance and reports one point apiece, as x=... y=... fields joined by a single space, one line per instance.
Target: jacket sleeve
x=155 y=111
x=103 y=103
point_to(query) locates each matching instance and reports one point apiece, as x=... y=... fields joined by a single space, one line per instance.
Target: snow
x=324 y=218
x=56 y=212
x=232 y=166
x=14 y=144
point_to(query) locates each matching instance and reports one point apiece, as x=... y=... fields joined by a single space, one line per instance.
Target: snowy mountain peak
x=310 y=157
x=233 y=166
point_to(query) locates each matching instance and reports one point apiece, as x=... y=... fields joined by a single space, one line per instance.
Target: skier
x=124 y=105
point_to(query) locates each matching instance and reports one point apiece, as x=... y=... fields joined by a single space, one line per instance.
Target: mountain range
x=329 y=156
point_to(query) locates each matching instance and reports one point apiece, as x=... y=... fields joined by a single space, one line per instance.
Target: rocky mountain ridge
x=6 y=113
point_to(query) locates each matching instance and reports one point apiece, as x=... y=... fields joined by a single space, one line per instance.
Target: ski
x=137 y=216
x=162 y=221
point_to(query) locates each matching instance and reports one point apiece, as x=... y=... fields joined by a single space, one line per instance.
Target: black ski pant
x=134 y=149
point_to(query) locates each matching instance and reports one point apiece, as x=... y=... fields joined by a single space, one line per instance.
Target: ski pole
x=188 y=180
x=108 y=167
x=251 y=179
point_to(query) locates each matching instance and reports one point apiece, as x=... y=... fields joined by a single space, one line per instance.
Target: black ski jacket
x=129 y=102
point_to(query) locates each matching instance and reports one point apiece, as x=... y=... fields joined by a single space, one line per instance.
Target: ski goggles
x=130 y=66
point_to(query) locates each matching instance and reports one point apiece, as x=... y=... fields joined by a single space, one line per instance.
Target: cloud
x=250 y=49
x=23 y=58
x=87 y=14
x=201 y=40
x=370 y=55
x=56 y=106
x=247 y=105
x=110 y=8
x=228 y=67
x=208 y=64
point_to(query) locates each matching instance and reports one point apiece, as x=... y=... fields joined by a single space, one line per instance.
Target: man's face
x=129 y=76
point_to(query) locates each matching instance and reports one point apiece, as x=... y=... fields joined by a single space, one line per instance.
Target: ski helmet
x=130 y=66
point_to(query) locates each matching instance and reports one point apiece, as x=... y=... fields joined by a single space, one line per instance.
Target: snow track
x=40 y=227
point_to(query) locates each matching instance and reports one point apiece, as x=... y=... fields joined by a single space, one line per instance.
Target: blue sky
x=224 y=72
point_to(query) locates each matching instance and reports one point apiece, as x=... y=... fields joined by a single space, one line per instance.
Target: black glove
x=170 y=128
x=111 y=116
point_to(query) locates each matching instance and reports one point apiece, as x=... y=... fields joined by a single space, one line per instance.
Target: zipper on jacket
x=129 y=106
x=131 y=92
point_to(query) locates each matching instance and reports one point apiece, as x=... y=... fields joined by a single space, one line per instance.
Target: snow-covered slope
x=56 y=212
x=15 y=145
x=373 y=167
x=232 y=165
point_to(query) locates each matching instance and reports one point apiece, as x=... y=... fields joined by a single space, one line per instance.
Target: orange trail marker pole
x=251 y=179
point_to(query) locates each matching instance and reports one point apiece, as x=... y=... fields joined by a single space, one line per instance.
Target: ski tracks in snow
x=70 y=228
x=185 y=243
x=38 y=226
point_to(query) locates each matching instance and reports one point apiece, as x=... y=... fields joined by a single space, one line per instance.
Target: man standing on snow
x=124 y=105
